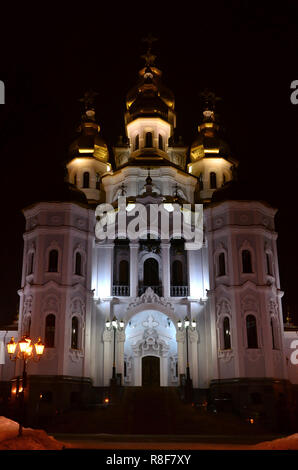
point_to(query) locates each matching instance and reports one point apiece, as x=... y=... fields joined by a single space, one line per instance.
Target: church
x=120 y=312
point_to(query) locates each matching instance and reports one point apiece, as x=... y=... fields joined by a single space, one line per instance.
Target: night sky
x=246 y=52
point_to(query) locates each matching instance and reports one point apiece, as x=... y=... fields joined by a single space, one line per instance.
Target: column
x=120 y=339
x=107 y=356
x=105 y=276
x=166 y=272
x=164 y=372
x=133 y=266
x=180 y=338
x=193 y=346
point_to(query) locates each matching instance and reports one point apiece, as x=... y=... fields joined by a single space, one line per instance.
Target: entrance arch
x=150 y=350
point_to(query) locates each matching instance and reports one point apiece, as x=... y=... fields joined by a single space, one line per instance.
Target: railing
x=157 y=290
x=121 y=291
x=179 y=291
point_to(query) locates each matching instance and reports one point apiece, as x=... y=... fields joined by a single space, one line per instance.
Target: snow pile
x=285 y=443
x=32 y=439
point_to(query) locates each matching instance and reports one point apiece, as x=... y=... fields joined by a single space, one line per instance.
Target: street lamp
x=114 y=324
x=185 y=325
x=24 y=350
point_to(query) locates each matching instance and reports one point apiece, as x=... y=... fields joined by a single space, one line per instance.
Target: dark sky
x=245 y=51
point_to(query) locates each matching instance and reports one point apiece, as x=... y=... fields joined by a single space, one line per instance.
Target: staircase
x=150 y=410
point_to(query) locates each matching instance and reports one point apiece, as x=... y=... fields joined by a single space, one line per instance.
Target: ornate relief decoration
x=149 y=297
x=223 y=308
x=273 y=308
x=77 y=308
x=225 y=354
x=249 y=303
x=151 y=342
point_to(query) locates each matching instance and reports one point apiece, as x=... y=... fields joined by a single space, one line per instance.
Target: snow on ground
x=32 y=439
x=285 y=443
x=36 y=439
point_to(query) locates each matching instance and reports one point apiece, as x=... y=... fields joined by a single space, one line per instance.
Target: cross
x=150 y=39
x=150 y=322
x=149 y=57
x=88 y=99
x=209 y=99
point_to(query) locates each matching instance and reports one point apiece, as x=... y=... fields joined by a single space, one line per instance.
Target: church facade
x=147 y=310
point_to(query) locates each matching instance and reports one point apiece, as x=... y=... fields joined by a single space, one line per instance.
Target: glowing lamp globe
x=11 y=346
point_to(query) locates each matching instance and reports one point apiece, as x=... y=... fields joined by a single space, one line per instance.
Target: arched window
x=251 y=332
x=137 y=142
x=86 y=177
x=151 y=274
x=274 y=334
x=78 y=264
x=213 y=180
x=124 y=272
x=50 y=331
x=74 y=333
x=53 y=261
x=268 y=264
x=148 y=139
x=226 y=333
x=221 y=264
x=246 y=261
x=30 y=262
x=177 y=273
x=160 y=142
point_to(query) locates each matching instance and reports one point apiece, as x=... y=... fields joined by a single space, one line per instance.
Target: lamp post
x=187 y=324
x=24 y=350
x=114 y=324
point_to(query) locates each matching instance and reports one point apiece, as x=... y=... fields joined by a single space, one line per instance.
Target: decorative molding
x=150 y=297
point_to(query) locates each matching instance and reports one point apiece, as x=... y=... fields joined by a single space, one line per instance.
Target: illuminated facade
x=72 y=283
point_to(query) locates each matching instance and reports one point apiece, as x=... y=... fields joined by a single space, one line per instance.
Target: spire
x=148 y=56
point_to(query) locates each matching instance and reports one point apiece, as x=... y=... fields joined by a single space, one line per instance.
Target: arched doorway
x=150 y=371
x=150 y=350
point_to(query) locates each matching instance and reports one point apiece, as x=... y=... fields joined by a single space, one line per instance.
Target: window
x=137 y=142
x=78 y=264
x=251 y=331
x=274 y=334
x=53 y=261
x=268 y=264
x=213 y=180
x=148 y=139
x=86 y=178
x=223 y=179
x=246 y=261
x=221 y=264
x=151 y=274
x=124 y=273
x=31 y=262
x=160 y=142
x=74 y=333
x=50 y=331
x=177 y=273
x=75 y=179
x=226 y=333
